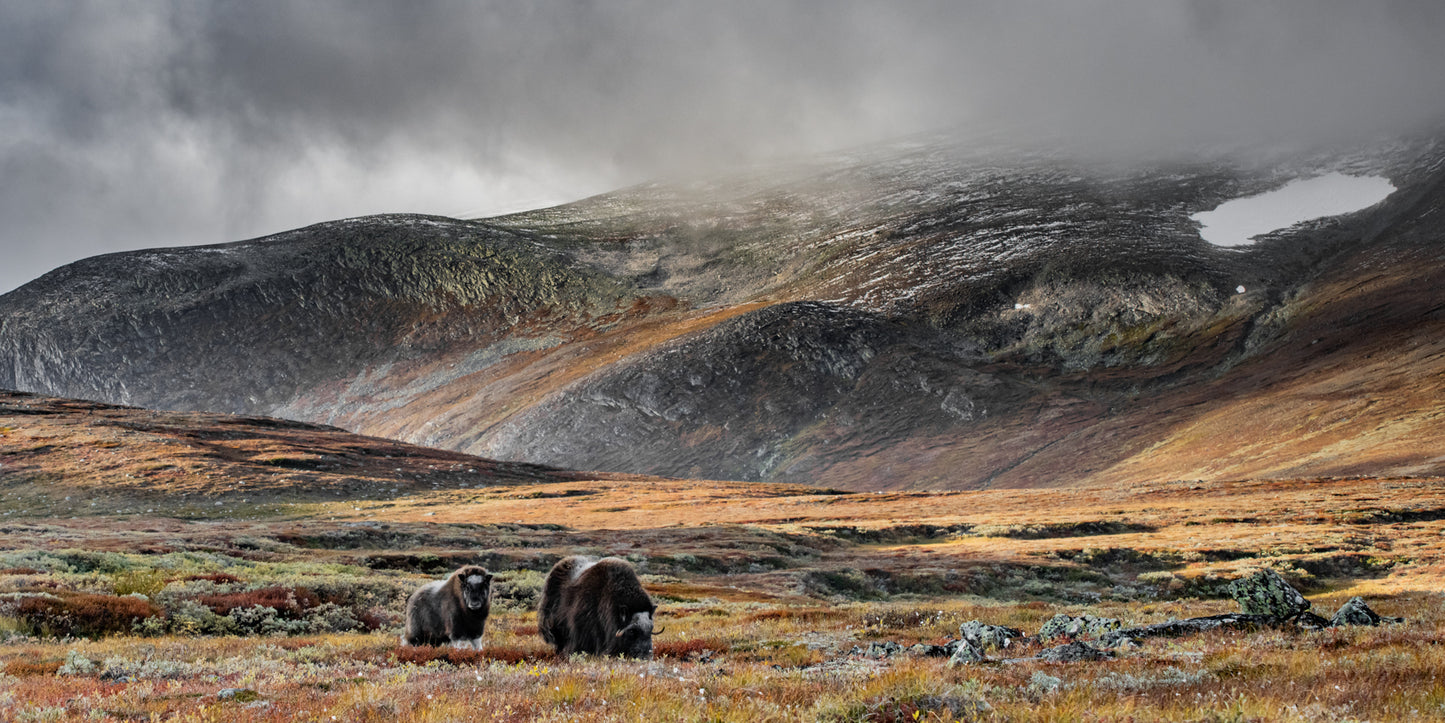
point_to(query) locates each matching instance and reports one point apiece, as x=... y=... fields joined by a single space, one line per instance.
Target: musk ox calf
x=453 y=610
x=596 y=607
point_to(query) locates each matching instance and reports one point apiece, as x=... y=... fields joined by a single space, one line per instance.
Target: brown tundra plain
x=192 y=567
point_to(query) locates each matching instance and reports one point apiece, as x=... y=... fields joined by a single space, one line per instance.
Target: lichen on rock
x=1061 y=625
x=984 y=636
x=1266 y=593
x=1073 y=652
x=966 y=654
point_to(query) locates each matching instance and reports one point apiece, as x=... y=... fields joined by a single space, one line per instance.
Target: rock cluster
x=888 y=649
x=1265 y=599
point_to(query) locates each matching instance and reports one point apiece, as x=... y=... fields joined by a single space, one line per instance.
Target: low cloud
x=138 y=125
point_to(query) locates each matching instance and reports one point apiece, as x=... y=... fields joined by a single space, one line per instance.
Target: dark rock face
x=1266 y=593
x=732 y=401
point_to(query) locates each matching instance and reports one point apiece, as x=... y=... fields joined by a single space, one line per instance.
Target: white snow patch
x=1237 y=222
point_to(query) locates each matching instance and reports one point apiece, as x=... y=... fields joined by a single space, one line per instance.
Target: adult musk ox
x=453 y=610
x=596 y=607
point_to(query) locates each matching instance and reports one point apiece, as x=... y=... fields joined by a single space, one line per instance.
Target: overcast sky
x=138 y=124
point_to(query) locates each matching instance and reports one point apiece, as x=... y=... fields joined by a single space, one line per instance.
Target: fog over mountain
x=169 y=123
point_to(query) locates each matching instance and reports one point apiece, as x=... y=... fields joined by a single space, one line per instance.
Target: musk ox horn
x=657 y=631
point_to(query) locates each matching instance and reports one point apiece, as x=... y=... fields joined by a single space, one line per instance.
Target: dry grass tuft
x=20 y=668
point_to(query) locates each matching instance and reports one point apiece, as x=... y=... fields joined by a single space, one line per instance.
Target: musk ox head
x=476 y=587
x=634 y=638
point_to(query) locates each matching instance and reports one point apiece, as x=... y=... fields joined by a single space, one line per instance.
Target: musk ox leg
x=464 y=643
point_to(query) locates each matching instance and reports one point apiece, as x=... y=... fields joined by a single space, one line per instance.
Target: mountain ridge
x=931 y=317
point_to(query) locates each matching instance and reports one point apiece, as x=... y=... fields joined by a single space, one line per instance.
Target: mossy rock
x=1267 y=593
x=1061 y=626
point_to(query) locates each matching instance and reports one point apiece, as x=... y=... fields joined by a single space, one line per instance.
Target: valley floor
x=770 y=597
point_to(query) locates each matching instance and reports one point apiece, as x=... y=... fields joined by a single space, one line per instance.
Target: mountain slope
x=244 y=327
x=927 y=315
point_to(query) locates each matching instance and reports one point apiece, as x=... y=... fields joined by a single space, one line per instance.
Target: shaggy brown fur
x=596 y=607
x=453 y=610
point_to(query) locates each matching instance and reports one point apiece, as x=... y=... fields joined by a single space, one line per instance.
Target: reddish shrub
x=21 y=571
x=516 y=655
x=372 y=620
x=695 y=647
x=220 y=578
x=289 y=602
x=422 y=654
x=83 y=615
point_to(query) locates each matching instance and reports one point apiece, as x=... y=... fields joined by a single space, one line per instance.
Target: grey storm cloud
x=139 y=124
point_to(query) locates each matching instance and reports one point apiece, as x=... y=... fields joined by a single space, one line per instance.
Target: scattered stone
x=240 y=695
x=1310 y=621
x=884 y=649
x=1266 y=593
x=1083 y=626
x=1074 y=652
x=1176 y=628
x=929 y=651
x=985 y=637
x=966 y=654
x=1356 y=612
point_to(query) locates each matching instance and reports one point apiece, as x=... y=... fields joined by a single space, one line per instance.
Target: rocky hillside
x=921 y=315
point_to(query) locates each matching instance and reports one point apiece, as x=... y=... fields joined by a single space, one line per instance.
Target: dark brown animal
x=452 y=611
x=596 y=607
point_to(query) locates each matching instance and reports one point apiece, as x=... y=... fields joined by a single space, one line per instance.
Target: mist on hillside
x=180 y=123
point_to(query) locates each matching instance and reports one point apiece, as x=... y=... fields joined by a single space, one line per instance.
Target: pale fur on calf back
x=437 y=615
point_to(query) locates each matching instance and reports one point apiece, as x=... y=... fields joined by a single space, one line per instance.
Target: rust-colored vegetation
x=291 y=602
x=690 y=649
x=81 y=615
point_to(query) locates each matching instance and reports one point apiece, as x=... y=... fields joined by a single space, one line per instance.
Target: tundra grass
x=1386 y=673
